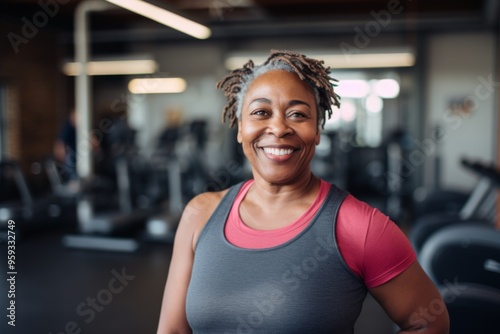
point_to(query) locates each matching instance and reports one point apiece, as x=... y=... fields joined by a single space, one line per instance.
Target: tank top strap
x=331 y=205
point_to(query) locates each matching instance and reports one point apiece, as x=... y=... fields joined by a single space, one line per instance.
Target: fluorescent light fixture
x=372 y=60
x=338 y=61
x=353 y=88
x=157 y=85
x=112 y=67
x=165 y=17
x=386 y=88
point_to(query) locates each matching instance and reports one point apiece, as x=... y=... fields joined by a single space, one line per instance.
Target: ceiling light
x=353 y=88
x=372 y=60
x=386 y=88
x=165 y=17
x=157 y=85
x=112 y=67
x=336 y=61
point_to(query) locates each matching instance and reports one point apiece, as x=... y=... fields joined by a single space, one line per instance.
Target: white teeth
x=277 y=151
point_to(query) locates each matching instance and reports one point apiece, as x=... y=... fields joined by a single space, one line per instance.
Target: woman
x=286 y=252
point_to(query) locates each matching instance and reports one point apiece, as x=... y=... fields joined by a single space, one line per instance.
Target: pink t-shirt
x=372 y=246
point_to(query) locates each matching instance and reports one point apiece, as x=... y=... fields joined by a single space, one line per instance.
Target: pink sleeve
x=372 y=246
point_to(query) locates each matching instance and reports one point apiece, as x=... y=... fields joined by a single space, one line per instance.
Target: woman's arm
x=412 y=301
x=173 y=311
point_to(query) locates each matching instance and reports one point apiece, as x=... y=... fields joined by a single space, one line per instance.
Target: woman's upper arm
x=413 y=302
x=388 y=265
x=173 y=310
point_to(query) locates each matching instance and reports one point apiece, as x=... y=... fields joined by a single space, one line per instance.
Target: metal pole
x=82 y=86
x=82 y=103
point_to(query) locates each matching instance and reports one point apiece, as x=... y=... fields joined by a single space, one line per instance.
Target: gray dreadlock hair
x=310 y=70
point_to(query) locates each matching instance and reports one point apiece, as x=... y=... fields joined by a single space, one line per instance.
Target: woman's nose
x=279 y=127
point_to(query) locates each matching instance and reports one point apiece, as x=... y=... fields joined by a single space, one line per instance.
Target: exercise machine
x=463 y=260
x=31 y=213
x=109 y=226
x=178 y=161
x=109 y=218
x=463 y=253
x=479 y=207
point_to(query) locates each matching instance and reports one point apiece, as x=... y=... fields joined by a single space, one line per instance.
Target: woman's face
x=278 y=126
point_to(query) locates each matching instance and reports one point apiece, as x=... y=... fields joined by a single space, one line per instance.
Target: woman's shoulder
x=205 y=203
x=356 y=206
x=198 y=211
x=357 y=218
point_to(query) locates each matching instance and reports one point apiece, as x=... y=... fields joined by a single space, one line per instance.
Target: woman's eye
x=259 y=112
x=297 y=114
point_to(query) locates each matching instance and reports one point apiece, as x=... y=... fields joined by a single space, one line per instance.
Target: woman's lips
x=279 y=154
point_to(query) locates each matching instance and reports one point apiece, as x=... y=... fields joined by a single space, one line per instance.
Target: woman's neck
x=278 y=194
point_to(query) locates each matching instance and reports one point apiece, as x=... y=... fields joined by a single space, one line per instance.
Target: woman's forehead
x=275 y=81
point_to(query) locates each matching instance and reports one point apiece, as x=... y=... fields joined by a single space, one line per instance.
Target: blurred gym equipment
x=178 y=160
x=463 y=253
x=31 y=214
x=479 y=207
x=464 y=261
x=437 y=199
x=109 y=216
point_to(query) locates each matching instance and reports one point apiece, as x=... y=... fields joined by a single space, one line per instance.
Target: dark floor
x=55 y=288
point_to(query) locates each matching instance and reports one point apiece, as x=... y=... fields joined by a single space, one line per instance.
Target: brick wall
x=35 y=104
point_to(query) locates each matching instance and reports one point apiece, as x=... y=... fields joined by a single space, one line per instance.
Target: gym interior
x=97 y=165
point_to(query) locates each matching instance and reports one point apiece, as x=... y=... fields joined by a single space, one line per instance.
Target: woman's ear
x=318 y=136
x=238 y=137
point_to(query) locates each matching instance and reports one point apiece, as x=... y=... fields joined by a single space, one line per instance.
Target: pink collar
x=241 y=235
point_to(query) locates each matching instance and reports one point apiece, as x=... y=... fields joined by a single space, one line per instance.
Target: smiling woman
x=287 y=252
x=278 y=128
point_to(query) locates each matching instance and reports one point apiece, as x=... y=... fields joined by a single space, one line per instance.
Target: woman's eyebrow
x=261 y=99
x=297 y=102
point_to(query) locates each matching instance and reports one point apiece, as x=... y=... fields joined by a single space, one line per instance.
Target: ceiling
x=258 y=18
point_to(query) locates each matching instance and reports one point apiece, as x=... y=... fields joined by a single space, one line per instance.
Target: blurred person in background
x=65 y=147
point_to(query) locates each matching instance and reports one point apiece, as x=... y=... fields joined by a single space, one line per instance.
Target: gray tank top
x=301 y=286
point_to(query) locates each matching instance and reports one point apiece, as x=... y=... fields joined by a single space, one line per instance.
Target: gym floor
x=60 y=290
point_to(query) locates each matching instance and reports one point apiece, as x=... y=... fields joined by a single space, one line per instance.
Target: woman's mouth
x=278 y=154
x=278 y=151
